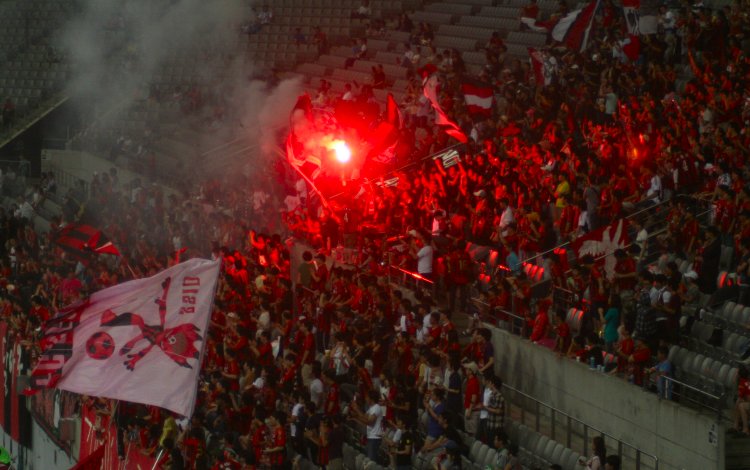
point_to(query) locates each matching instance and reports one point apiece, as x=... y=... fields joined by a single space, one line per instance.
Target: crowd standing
x=298 y=357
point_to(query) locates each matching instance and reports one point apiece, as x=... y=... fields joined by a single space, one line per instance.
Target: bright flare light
x=341 y=150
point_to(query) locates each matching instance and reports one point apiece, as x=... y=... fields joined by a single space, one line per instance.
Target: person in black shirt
x=176 y=462
x=400 y=449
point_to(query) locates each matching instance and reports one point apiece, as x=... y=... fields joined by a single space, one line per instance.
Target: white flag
x=141 y=341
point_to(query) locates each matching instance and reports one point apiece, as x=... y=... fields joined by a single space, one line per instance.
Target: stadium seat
x=455 y=9
x=557 y=453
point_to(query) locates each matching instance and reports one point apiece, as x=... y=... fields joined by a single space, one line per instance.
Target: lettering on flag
x=114 y=343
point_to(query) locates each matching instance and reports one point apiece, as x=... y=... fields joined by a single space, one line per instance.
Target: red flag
x=478 y=95
x=117 y=342
x=632 y=47
x=602 y=243
x=431 y=85
x=93 y=461
x=574 y=28
x=384 y=137
x=537 y=65
x=83 y=240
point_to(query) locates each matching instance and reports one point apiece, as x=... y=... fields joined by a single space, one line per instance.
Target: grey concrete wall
x=678 y=436
x=45 y=455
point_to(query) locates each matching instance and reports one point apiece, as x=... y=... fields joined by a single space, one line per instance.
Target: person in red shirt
x=260 y=433
x=262 y=349
x=637 y=361
x=625 y=276
x=331 y=404
x=472 y=400
x=742 y=406
x=541 y=324
x=562 y=331
x=306 y=351
x=624 y=350
x=275 y=449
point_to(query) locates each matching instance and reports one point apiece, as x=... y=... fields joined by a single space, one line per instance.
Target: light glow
x=341 y=151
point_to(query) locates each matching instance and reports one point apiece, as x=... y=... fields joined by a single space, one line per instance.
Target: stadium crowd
x=303 y=352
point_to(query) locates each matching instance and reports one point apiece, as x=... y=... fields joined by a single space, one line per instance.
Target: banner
x=117 y=342
x=574 y=28
x=431 y=85
x=479 y=96
x=50 y=408
x=14 y=415
x=98 y=449
x=602 y=243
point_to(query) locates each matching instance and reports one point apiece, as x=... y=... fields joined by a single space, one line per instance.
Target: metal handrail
x=586 y=427
x=671 y=382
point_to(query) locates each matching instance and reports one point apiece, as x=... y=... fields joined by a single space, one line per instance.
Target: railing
x=632 y=456
x=68 y=180
x=673 y=389
x=499 y=318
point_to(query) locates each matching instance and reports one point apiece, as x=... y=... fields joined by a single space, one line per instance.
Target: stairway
x=737 y=452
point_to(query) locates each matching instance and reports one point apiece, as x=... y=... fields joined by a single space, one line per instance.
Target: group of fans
x=304 y=354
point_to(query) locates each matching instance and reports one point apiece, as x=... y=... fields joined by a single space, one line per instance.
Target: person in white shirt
x=654 y=190
x=424 y=259
x=348 y=95
x=506 y=217
x=317 y=390
x=373 y=419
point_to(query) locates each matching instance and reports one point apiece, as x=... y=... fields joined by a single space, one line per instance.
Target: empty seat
x=527 y=38
x=450 y=8
x=541 y=446
x=452 y=42
x=482 y=455
x=557 y=453
x=432 y=18
x=501 y=12
x=472 y=32
x=474 y=450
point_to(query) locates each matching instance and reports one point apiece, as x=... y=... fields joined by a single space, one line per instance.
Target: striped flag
x=83 y=240
x=641 y=17
x=431 y=85
x=574 y=28
x=478 y=95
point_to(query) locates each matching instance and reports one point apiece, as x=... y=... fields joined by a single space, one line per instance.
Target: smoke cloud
x=127 y=52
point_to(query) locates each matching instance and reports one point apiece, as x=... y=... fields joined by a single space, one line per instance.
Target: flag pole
x=158 y=457
x=309 y=181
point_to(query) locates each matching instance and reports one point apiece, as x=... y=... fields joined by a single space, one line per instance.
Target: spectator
x=492 y=413
x=612 y=462
x=599 y=454
x=363 y=12
x=373 y=419
x=401 y=446
x=663 y=370
x=742 y=405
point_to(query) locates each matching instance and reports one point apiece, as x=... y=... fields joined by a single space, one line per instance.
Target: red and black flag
x=84 y=240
